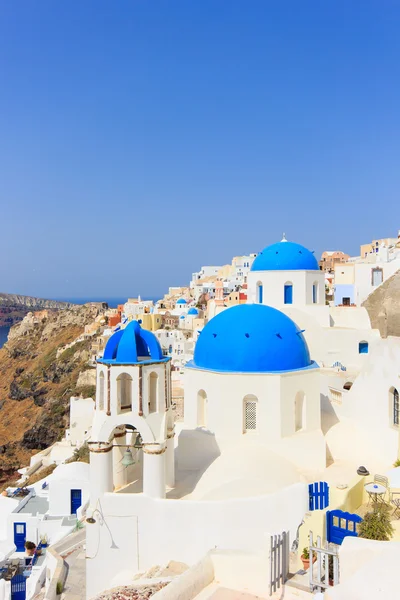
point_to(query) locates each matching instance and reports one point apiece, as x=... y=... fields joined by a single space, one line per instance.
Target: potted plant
x=44 y=541
x=305 y=558
x=376 y=525
x=30 y=548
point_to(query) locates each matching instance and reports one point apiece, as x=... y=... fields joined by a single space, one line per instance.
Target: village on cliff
x=242 y=441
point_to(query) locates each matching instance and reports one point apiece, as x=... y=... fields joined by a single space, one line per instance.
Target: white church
x=282 y=392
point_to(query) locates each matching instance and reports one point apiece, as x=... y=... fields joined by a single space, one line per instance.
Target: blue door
x=20 y=536
x=341 y=524
x=76 y=500
x=288 y=294
x=18 y=587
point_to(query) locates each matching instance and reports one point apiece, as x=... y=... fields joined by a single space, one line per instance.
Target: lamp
x=127 y=459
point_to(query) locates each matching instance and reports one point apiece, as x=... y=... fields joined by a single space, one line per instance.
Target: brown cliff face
x=36 y=385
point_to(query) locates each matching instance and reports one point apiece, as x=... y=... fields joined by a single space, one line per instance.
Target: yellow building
x=150 y=321
x=373 y=247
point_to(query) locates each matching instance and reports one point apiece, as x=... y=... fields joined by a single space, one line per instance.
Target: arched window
x=288 y=293
x=259 y=293
x=363 y=347
x=249 y=413
x=101 y=391
x=202 y=409
x=315 y=293
x=299 y=411
x=394 y=406
x=153 y=392
x=124 y=391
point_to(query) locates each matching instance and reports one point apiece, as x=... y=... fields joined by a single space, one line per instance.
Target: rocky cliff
x=38 y=374
x=13 y=307
x=383 y=307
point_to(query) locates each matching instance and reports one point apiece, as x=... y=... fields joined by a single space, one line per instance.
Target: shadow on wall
x=196 y=451
x=329 y=417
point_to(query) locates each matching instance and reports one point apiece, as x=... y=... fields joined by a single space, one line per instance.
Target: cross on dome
x=284 y=238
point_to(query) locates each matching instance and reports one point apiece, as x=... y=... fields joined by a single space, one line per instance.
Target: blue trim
x=147 y=361
x=260 y=294
x=191 y=365
x=318 y=494
x=363 y=348
x=288 y=294
x=337 y=533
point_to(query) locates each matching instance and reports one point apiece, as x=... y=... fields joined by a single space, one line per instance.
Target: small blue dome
x=181 y=301
x=182 y=317
x=285 y=256
x=193 y=311
x=131 y=345
x=251 y=338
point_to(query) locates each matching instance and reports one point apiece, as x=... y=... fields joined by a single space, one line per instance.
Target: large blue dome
x=251 y=338
x=285 y=256
x=132 y=345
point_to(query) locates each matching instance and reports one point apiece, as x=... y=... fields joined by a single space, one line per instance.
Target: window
x=201 y=409
x=299 y=411
x=259 y=292
x=376 y=277
x=315 y=293
x=363 y=348
x=124 y=391
x=250 y=413
x=395 y=406
x=288 y=293
x=101 y=391
x=153 y=392
x=346 y=301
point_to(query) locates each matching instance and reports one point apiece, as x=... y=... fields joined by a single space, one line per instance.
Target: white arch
x=124 y=391
x=153 y=392
x=106 y=432
x=299 y=411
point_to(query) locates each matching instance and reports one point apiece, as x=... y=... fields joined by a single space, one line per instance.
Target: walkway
x=72 y=550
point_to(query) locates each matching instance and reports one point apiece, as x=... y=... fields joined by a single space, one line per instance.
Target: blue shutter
x=318 y=495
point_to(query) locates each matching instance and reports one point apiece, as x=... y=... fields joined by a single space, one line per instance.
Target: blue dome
x=285 y=256
x=131 y=345
x=251 y=338
x=182 y=317
x=181 y=301
x=193 y=311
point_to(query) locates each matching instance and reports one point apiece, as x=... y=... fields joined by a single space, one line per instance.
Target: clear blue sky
x=140 y=139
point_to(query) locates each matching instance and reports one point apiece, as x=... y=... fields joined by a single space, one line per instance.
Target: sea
x=112 y=303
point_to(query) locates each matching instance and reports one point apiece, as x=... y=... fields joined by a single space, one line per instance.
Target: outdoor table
x=375 y=490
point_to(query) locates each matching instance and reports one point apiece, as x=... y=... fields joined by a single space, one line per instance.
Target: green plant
x=397 y=463
x=376 y=524
x=59 y=587
x=78 y=525
x=306 y=553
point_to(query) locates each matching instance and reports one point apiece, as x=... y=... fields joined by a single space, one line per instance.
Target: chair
x=382 y=480
x=396 y=504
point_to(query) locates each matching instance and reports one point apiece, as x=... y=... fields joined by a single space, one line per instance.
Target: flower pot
x=306 y=562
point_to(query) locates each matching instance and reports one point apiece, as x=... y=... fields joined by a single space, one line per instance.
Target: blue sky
x=140 y=139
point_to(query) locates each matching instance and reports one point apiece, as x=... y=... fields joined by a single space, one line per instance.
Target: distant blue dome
x=251 y=338
x=182 y=317
x=193 y=311
x=131 y=345
x=181 y=301
x=285 y=256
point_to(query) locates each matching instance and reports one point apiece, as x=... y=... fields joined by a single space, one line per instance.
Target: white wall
x=183 y=530
x=60 y=495
x=363 y=277
x=274 y=282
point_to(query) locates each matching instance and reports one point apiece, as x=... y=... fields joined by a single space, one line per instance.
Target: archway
x=250 y=413
x=153 y=392
x=101 y=391
x=124 y=391
x=315 y=293
x=394 y=406
x=202 y=404
x=299 y=411
x=259 y=298
x=288 y=293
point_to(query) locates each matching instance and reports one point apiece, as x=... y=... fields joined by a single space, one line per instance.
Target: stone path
x=75 y=584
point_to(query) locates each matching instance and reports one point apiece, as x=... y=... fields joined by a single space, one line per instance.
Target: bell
x=138 y=441
x=127 y=460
